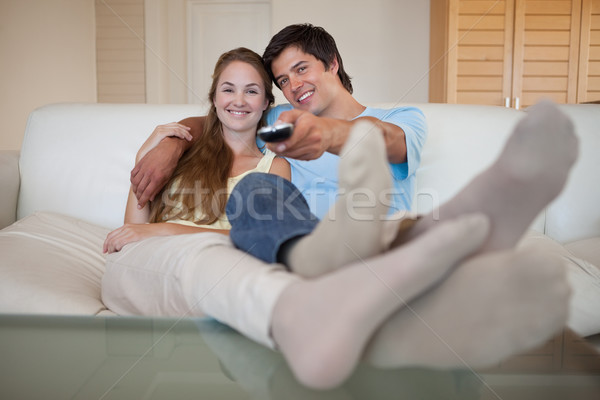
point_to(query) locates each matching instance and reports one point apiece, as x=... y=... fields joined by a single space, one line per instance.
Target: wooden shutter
x=546 y=50
x=589 y=60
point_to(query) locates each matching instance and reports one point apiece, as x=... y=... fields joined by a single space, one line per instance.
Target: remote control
x=276 y=133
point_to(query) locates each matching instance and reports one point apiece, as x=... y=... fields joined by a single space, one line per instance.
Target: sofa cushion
x=9 y=186
x=51 y=264
x=588 y=249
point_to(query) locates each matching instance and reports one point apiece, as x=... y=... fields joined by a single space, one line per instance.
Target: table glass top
x=57 y=357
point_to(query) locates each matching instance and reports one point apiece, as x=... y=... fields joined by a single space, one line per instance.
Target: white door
x=184 y=38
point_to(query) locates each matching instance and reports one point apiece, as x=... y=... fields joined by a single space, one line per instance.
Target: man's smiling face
x=304 y=81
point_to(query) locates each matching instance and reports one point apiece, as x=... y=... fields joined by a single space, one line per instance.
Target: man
x=323 y=325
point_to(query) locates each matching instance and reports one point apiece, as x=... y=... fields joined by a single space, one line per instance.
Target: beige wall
x=120 y=51
x=384 y=43
x=47 y=55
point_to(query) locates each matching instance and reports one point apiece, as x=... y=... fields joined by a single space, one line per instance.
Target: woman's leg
x=195 y=275
x=492 y=305
x=322 y=325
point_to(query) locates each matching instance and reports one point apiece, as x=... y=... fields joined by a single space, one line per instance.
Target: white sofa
x=67 y=190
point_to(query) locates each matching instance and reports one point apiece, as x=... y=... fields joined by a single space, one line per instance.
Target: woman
x=195 y=198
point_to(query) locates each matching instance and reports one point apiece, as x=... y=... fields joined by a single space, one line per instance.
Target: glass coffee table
x=58 y=357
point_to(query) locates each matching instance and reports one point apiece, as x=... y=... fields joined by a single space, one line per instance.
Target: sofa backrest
x=575 y=214
x=76 y=158
x=462 y=140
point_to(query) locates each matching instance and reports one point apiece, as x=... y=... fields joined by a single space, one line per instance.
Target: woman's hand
x=174 y=129
x=128 y=233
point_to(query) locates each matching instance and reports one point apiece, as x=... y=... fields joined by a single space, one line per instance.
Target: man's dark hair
x=310 y=39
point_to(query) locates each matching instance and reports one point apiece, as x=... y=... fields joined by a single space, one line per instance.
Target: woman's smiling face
x=240 y=98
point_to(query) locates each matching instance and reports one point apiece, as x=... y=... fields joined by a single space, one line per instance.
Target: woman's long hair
x=200 y=177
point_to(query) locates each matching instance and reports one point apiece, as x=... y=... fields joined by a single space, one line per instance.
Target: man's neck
x=345 y=107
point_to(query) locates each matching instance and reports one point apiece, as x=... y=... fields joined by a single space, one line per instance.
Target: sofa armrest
x=9 y=186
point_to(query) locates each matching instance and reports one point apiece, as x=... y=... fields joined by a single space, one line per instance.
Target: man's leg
x=529 y=173
x=349 y=232
x=266 y=211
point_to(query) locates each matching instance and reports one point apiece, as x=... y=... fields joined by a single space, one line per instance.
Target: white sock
x=349 y=232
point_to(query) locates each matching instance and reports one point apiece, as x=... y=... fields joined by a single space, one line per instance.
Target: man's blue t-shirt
x=318 y=179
